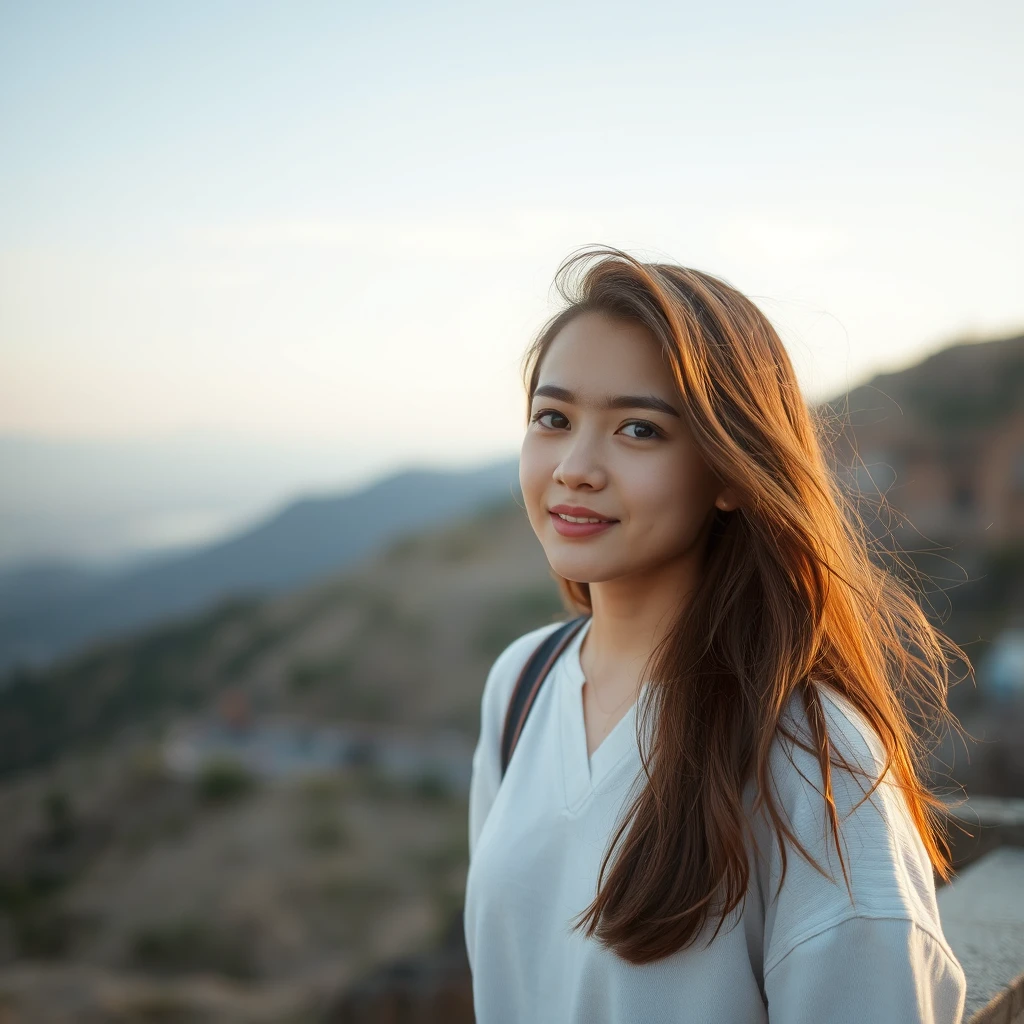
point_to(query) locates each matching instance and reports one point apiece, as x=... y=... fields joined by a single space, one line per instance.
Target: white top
x=807 y=957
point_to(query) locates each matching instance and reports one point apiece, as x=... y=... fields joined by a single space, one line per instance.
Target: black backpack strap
x=528 y=684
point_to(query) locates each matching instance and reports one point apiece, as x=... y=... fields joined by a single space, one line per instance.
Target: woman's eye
x=537 y=417
x=644 y=426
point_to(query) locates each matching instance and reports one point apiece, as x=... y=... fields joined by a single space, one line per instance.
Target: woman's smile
x=572 y=527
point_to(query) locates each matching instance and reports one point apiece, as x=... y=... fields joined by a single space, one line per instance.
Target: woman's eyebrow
x=611 y=401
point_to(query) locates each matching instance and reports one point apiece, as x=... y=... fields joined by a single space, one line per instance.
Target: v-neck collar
x=582 y=774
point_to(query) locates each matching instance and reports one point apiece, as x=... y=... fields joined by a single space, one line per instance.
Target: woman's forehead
x=596 y=356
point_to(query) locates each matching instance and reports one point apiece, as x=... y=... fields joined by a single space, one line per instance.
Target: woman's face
x=627 y=462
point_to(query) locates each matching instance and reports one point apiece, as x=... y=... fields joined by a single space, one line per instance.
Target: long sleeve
x=876 y=952
x=883 y=970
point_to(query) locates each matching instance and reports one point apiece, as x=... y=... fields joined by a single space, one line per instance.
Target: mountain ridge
x=306 y=538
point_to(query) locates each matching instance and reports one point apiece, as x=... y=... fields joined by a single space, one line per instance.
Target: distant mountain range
x=102 y=502
x=49 y=610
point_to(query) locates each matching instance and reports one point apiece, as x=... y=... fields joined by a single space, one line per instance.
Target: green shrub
x=43 y=932
x=60 y=817
x=224 y=780
x=323 y=790
x=310 y=675
x=189 y=945
x=431 y=787
x=324 y=833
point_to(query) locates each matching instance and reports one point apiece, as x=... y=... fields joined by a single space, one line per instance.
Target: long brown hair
x=790 y=600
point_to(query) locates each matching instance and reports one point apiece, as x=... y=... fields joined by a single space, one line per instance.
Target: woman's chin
x=581 y=570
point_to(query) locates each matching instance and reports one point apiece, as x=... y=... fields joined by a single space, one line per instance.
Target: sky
x=332 y=228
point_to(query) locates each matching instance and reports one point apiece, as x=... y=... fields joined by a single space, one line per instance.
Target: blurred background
x=267 y=272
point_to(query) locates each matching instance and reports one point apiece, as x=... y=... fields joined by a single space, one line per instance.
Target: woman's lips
x=567 y=529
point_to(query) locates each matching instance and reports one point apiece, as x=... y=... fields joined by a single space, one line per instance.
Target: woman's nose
x=581 y=464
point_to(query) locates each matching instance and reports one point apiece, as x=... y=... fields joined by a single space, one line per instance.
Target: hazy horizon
x=141 y=496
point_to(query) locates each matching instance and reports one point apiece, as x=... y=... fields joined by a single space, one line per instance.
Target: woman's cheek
x=531 y=482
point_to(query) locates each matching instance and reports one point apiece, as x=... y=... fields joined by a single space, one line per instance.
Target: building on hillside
x=943 y=443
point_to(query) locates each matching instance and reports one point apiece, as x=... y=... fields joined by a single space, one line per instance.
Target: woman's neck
x=630 y=618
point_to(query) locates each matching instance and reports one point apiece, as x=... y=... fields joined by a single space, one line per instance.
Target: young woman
x=715 y=810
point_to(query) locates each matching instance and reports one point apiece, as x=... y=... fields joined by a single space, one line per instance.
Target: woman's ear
x=727 y=500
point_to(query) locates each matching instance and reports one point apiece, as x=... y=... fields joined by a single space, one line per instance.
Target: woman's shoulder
x=886 y=863
x=864 y=790
x=509 y=663
x=850 y=735
x=497 y=691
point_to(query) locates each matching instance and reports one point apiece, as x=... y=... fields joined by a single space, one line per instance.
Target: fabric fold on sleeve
x=883 y=970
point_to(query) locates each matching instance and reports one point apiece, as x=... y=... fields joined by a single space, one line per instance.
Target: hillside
x=972 y=386
x=936 y=454
x=48 y=611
